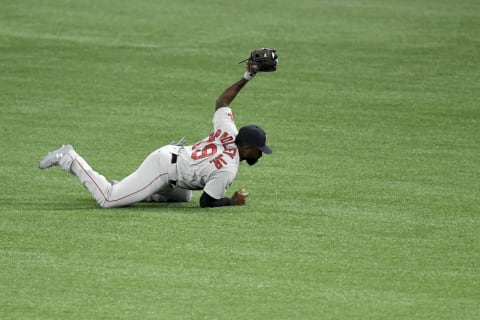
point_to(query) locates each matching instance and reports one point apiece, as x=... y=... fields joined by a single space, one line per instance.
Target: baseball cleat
x=53 y=158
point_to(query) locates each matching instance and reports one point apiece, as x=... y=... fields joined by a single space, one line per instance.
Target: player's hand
x=251 y=68
x=239 y=197
x=250 y=73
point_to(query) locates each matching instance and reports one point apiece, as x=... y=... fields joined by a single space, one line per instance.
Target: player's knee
x=106 y=203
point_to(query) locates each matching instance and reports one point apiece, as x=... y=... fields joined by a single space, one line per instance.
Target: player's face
x=252 y=155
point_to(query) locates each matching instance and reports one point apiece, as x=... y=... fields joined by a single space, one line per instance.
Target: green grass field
x=368 y=208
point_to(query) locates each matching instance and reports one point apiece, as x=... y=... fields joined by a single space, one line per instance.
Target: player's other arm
x=238 y=199
x=231 y=92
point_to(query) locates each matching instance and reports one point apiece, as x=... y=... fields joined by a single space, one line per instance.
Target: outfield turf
x=367 y=209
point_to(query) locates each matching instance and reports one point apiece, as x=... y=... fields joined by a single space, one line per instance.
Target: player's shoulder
x=223 y=110
x=223 y=115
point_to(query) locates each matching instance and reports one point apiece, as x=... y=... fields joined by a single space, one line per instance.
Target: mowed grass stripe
x=367 y=208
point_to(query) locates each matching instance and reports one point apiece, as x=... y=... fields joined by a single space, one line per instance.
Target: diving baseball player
x=173 y=171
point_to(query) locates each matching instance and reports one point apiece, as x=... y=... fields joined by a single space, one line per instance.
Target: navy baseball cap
x=254 y=136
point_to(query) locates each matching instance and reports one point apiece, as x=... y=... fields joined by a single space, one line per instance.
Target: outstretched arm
x=231 y=92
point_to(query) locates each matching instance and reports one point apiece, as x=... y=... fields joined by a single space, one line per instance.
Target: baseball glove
x=263 y=60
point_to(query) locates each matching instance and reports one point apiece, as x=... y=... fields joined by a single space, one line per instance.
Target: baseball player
x=173 y=171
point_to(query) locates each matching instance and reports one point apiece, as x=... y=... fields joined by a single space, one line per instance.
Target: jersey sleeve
x=218 y=184
x=223 y=119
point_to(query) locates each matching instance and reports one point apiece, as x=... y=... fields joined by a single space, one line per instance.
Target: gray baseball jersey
x=212 y=163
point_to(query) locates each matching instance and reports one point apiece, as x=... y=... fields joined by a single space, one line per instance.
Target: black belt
x=173 y=183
